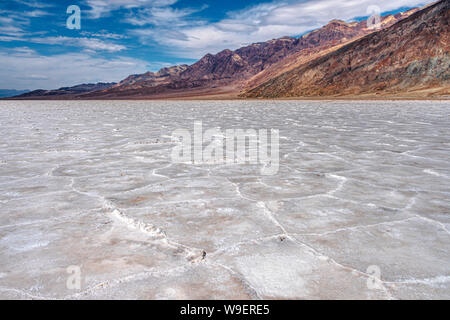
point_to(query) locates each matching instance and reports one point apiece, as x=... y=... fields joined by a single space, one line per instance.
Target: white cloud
x=101 y=8
x=34 y=3
x=9 y=38
x=260 y=23
x=12 y=28
x=104 y=34
x=23 y=51
x=35 y=13
x=163 y=16
x=14 y=23
x=93 y=44
x=23 y=68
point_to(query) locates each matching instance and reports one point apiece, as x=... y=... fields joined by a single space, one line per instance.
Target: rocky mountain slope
x=407 y=58
x=163 y=76
x=321 y=41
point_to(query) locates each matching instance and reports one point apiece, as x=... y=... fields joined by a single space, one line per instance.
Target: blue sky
x=122 y=37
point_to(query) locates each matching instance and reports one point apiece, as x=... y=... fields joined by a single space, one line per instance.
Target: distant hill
x=4 y=93
x=66 y=92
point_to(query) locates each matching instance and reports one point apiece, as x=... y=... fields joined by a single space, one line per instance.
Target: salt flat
x=362 y=191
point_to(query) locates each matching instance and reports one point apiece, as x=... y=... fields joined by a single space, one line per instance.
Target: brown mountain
x=222 y=72
x=163 y=76
x=319 y=42
x=409 y=58
x=229 y=72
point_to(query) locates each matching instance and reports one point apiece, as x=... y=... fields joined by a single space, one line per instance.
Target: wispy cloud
x=83 y=42
x=104 y=34
x=36 y=13
x=101 y=8
x=14 y=23
x=23 y=68
x=34 y=3
x=163 y=16
x=258 y=23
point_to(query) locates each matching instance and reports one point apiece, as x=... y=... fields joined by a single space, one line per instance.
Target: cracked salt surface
x=92 y=184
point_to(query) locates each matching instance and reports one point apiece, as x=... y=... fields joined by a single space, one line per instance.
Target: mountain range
x=68 y=91
x=406 y=55
x=11 y=92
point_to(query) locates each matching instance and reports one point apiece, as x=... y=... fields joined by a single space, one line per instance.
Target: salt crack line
x=132 y=277
x=354 y=228
x=249 y=241
x=322 y=256
x=250 y=289
x=269 y=214
x=427 y=281
x=194 y=255
x=138 y=225
x=27 y=294
x=260 y=204
x=342 y=181
x=434 y=173
x=433 y=222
